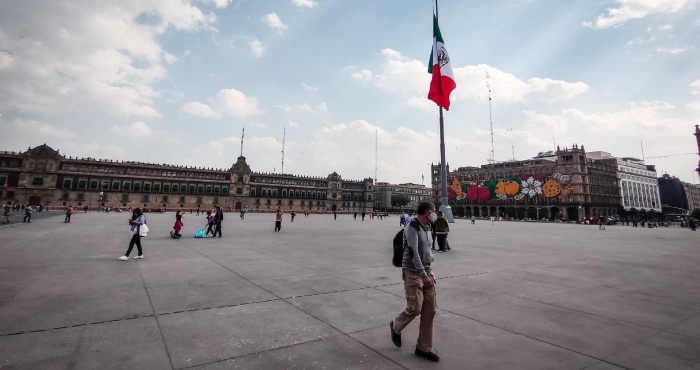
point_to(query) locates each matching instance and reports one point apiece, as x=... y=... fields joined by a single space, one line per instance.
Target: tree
x=400 y=200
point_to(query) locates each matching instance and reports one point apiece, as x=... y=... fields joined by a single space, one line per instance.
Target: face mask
x=432 y=217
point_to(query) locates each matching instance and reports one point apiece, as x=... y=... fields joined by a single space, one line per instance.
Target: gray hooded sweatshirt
x=417 y=255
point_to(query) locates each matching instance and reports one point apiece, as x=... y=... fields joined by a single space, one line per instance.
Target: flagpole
x=444 y=205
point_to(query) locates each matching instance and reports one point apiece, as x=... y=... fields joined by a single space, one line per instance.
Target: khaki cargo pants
x=421 y=301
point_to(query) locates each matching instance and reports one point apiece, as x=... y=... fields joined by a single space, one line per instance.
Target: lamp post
x=102 y=197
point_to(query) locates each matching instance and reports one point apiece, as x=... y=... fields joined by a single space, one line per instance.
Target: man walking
x=278 y=220
x=441 y=230
x=419 y=282
x=27 y=214
x=218 y=217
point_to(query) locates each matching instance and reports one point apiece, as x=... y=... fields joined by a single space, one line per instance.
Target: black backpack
x=400 y=244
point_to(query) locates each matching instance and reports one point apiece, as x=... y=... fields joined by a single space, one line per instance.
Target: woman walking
x=137 y=219
x=210 y=224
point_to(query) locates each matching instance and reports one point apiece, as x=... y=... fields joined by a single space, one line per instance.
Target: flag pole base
x=447 y=212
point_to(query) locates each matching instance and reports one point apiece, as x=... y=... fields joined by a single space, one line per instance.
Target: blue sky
x=176 y=81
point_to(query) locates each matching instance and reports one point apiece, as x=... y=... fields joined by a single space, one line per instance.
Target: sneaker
x=123 y=258
x=138 y=257
x=396 y=338
x=429 y=355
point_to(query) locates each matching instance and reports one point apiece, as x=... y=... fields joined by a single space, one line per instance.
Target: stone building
x=639 y=185
x=692 y=192
x=42 y=175
x=415 y=192
x=562 y=184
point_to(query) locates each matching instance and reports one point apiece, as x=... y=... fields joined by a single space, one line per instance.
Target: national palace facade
x=562 y=184
x=42 y=175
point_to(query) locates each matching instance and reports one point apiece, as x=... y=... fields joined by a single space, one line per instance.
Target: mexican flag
x=443 y=81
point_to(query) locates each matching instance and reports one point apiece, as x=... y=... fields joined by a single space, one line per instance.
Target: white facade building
x=692 y=192
x=639 y=185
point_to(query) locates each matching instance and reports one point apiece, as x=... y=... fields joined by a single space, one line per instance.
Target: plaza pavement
x=321 y=293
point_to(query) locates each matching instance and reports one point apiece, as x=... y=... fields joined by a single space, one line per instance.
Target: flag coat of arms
x=443 y=80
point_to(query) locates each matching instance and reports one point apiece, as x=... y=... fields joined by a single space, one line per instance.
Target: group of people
x=213 y=224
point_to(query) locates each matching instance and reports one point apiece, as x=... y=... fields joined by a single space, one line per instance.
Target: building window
x=217 y=190
x=83 y=183
x=216 y=200
x=284 y=193
x=252 y=192
x=334 y=195
x=146 y=187
x=127 y=185
x=145 y=198
x=193 y=189
x=105 y=185
x=209 y=190
x=125 y=198
x=264 y=192
x=166 y=188
x=296 y=194
x=93 y=184
x=137 y=186
x=182 y=200
x=224 y=190
x=274 y=192
x=199 y=200
x=200 y=189
x=183 y=188
x=165 y=198
x=156 y=187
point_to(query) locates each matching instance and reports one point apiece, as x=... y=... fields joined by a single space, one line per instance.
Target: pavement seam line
x=298 y=308
x=155 y=314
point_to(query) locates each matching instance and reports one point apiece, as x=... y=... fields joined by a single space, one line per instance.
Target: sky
x=177 y=81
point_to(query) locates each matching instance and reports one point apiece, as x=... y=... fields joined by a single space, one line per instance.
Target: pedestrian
x=6 y=212
x=293 y=214
x=197 y=210
x=601 y=223
x=278 y=220
x=242 y=213
x=136 y=221
x=335 y=215
x=363 y=215
x=210 y=224
x=441 y=230
x=27 y=214
x=354 y=216
x=218 y=218
x=419 y=283
x=176 y=229
x=402 y=220
x=86 y=208
x=69 y=213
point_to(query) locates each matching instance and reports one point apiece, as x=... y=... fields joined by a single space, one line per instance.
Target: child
x=177 y=227
x=210 y=224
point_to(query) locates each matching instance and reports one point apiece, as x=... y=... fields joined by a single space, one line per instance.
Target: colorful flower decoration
x=531 y=187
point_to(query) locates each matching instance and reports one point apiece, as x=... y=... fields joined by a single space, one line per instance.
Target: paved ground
x=320 y=295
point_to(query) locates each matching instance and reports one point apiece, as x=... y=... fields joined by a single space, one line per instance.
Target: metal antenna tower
x=284 y=135
x=242 y=135
x=376 y=155
x=488 y=86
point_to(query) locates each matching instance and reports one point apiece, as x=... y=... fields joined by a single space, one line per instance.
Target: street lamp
x=102 y=197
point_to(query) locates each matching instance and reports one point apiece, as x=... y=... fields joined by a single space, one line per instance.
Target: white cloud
x=636 y=9
x=274 y=21
x=410 y=77
x=257 y=47
x=363 y=75
x=696 y=88
x=665 y=27
x=676 y=50
x=694 y=106
x=219 y=3
x=293 y=124
x=229 y=102
x=304 y=3
x=198 y=109
x=309 y=87
x=136 y=129
x=41 y=129
x=67 y=58
x=322 y=107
